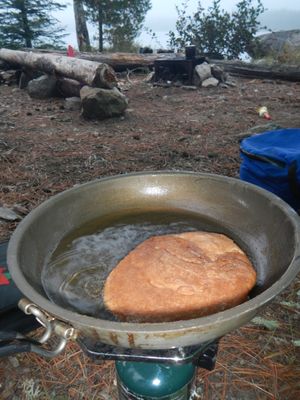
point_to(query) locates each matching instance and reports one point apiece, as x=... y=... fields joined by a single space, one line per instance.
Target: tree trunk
x=100 y=27
x=82 y=33
x=86 y=72
x=27 y=32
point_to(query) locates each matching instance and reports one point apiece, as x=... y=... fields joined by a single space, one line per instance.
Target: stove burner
x=203 y=356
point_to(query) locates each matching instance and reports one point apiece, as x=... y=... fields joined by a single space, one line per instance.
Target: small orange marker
x=70 y=51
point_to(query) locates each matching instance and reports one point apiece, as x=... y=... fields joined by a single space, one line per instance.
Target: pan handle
x=14 y=342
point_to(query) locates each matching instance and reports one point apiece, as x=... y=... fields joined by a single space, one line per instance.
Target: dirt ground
x=45 y=149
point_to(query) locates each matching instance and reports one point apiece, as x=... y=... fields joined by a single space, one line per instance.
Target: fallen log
x=122 y=61
x=86 y=72
x=262 y=71
x=118 y=61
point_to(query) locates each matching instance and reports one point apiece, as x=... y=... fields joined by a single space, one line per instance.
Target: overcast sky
x=280 y=15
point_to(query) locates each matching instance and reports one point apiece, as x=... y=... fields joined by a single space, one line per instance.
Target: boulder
x=203 y=71
x=210 y=82
x=100 y=103
x=219 y=73
x=68 y=87
x=72 y=103
x=42 y=87
x=8 y=77
x=275 y=44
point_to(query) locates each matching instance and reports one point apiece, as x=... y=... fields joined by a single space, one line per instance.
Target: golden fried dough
x=179 y=276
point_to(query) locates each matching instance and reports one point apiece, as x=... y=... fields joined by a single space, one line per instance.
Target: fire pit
x=178 y=68
x=262 y=224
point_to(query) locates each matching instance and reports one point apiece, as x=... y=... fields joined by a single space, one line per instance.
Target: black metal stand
x=203 y=356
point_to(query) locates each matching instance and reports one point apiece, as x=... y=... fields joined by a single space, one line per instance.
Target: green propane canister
x=151 y=381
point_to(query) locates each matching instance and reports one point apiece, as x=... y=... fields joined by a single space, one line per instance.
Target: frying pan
x=261 y=223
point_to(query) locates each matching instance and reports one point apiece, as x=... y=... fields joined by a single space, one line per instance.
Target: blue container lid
x=281 y=144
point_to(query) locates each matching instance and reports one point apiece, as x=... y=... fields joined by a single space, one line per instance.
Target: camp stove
x=153 y=360
x=154 y=374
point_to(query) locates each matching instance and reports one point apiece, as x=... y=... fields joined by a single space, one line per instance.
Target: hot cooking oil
x=75 y=274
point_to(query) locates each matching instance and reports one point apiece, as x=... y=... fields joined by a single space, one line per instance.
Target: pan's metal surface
x=266 y=226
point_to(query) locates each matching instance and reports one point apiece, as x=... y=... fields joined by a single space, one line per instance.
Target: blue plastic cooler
x=271 y=160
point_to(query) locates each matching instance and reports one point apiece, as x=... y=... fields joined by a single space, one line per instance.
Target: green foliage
x=217 y=31
x=28 y=23
x=286 y=55
x=127 y=47
x=119 y=21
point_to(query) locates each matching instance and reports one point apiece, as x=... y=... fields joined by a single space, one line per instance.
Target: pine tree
x=28 y=23
x=118 y=21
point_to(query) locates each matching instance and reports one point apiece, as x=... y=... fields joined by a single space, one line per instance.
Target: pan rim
x=162 y=327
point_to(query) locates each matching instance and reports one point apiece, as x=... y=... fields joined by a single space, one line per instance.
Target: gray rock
x=188 y=87
x=210 y=82
x=8 y=214
x=26 y=76
x=231 y=83
x=68 y=87
x=203 y=71
x=219 y=73
x=8 y=77
x=100 y=103
x=42 y=87
x=276 y=43
x=72 y=103
x=223 y=85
